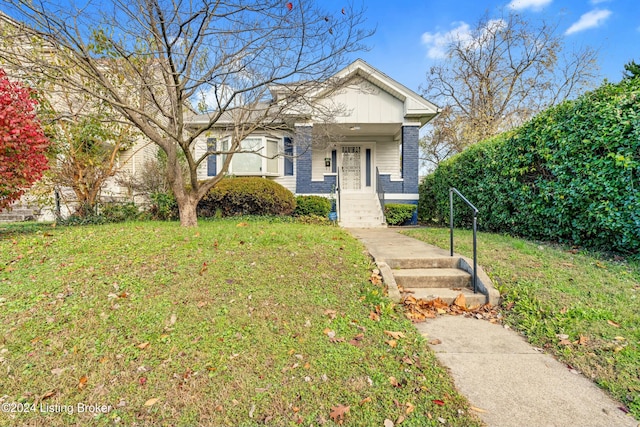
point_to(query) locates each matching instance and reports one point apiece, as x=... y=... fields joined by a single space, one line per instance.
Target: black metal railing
x=380 y=191
x=475 y=229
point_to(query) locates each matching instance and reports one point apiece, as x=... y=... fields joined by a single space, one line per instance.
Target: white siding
x=288 y=182
x=363 y=102
x=318 y=169
x=388 y=158
x=200 y=148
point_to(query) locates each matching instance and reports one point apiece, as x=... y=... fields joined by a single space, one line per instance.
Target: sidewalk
x=509 y=382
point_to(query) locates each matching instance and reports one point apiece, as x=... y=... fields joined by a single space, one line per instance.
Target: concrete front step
x=432 y=278
x=434 y=262
x=362 y=224
x=447 y=295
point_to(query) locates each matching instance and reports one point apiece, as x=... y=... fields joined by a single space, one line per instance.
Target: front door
x=351 y=168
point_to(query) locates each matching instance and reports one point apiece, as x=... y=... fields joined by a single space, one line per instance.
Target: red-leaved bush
x=22 y=141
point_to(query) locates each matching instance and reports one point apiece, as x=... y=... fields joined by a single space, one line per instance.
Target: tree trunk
x=187 y=209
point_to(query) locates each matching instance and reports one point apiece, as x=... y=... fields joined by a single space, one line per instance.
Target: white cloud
x=529 y=4
x=438 y=43
x=599 y=1
x=591 y=19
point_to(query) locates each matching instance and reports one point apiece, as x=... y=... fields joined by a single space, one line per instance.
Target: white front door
x=351 y=168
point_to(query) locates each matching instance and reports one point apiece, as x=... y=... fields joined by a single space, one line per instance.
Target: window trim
x=264 y=140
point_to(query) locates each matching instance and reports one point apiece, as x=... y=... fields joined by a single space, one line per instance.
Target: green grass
x=219 y=325
x=556 y=291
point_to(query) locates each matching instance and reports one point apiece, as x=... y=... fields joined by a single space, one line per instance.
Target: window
x=261 y=156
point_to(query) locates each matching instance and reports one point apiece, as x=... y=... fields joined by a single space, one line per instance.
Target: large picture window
x=263 y=160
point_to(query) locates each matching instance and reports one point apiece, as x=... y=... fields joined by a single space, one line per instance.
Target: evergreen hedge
x=312 y=205
x=572 y=174
x=247 y=196
x=398 y=213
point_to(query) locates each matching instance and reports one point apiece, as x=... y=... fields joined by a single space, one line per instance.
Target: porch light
x=327 y=162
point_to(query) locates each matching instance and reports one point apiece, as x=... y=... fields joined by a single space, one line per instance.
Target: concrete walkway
x=505 y=379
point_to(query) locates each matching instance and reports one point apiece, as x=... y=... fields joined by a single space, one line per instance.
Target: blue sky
x=406 y=41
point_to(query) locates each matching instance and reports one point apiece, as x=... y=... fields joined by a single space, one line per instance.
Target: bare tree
x=498 y=75
x=150 y=60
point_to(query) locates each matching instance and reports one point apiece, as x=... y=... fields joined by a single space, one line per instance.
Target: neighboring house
x=365 y=157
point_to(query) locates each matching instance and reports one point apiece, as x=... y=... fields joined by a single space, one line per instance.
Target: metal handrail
x=380 y=191
x=475 y=229
x=338 y=193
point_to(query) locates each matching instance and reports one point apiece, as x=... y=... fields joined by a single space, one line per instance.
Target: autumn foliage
x=22 y=141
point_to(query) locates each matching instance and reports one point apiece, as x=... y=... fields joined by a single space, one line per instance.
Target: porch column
x=410 y=159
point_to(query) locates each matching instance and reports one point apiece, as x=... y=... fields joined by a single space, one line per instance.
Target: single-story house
x=365 y=157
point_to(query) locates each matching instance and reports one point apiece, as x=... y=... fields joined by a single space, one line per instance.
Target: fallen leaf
x=48 y=394
x=482 y=411
x=612 y=323
x=365 y=400
x=142 y=380
x=388 y=423
x=564 y=342
x=203 y=268
x=374 y=316
x=438 y=402
x=143 y=345
x=393 y=381
x=242 y=224
x=338 y=413
x=330 y=313
x=460 y=301
x=82 y=382
x=400 y=420
x=410 y=408
x=583 y=340
x=394 y=335
x=435 y=341
x=151 y=402
x=392 y=343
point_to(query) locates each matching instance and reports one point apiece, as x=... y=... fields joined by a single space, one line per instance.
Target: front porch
x=362 y=165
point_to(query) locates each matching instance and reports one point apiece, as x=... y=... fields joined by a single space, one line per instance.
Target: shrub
x=247 y=196
x=569 y=175
x=108 y=212
x=119 y=212
x=163 y=206
x=398 y=213
x=312 y=205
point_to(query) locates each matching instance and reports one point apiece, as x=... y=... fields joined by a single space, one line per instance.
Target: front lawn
x=580 y=306
x=232 y=323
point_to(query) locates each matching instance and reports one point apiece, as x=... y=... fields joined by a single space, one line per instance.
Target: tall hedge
x=572 y=174
x=247 y=196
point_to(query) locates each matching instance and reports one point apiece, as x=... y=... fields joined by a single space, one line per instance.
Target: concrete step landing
x=432 y=278
x=448 y=295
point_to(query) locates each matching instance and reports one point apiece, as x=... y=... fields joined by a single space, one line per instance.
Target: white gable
x=370 y=96
x=361 y=101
